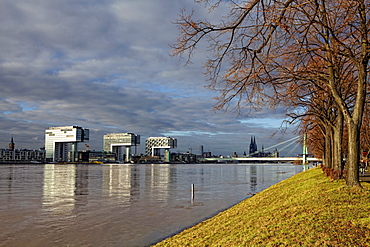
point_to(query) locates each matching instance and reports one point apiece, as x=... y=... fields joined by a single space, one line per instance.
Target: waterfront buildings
x=183 y=158
x=153 y=145
x=21 y=155
x=61 y=146
x=115 y=141
x=61 y=143
x=92 y=156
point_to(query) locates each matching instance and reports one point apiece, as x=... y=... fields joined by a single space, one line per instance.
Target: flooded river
x=120 y=205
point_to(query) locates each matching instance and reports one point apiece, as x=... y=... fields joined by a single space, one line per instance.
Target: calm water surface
x=120 y=205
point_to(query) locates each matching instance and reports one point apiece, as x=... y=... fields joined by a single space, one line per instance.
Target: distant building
x=207 y=155
x=61 y=143
x=22 y=155
x=254 y=152
x=183 y=158
x=154 y=144
x=201 y=150
x=11 y=144
x=263 y=153
x=100 y=156
x=115 y=141
x=253 y=146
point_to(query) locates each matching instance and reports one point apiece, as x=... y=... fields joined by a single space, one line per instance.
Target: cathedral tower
x=252 y=145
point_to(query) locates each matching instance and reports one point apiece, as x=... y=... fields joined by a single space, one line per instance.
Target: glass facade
x=120 y=139
x=57 y=140
x=115 y=141
x=153 y=144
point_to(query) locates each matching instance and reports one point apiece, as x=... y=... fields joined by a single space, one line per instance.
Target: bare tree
x=262 y=46
x=313 y=107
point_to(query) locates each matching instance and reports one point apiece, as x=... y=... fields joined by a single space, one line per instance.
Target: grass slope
x=305 y=210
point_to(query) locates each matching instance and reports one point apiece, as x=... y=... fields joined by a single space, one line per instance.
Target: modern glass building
x=61 y=143
x=114 y=142
x=154 y=144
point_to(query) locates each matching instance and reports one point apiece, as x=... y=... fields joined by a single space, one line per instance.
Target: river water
x=120 y=205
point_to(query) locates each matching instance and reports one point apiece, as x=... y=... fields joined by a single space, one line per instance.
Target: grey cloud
x=105 y=65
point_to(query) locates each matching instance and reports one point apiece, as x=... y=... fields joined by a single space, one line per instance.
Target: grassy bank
x=305 y=210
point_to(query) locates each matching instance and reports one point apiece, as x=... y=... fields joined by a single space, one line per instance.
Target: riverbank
x=305 y=210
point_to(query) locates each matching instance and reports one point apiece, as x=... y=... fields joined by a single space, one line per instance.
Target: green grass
x=305 y=210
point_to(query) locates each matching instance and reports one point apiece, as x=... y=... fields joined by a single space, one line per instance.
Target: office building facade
x=154 y=144
x=114 y=142
x=61 y=143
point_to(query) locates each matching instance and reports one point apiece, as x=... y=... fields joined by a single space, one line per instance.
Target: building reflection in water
x=158 y=181
x=253 y=178
x=59 y=188
x=67 y=187
x=87 y=205
x=129 y=183
x=120 y=182
x=81 y=185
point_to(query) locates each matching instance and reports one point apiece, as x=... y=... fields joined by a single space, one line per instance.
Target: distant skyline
x=289 y=147
x=105 y=65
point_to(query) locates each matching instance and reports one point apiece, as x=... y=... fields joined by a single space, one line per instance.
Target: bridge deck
x=265 y=159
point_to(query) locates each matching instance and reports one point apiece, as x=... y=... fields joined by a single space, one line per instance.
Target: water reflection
x=253 y=178
x=120 y=182
x=59 y=188
x=66 y=187
x=120 y=205
x=81 y=186
x=158 y=181
x=129 y=183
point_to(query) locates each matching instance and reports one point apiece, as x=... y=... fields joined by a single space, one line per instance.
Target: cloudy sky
x=105 y=65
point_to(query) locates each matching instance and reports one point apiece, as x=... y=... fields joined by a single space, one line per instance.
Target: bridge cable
x=291 y=151
x=292 y=139
x=289 y=144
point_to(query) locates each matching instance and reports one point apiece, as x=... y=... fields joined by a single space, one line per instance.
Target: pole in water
x=192 y=192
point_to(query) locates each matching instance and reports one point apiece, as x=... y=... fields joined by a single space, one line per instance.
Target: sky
x=106 y=65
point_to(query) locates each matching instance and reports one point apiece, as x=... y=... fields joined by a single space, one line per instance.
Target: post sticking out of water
x=192 y=192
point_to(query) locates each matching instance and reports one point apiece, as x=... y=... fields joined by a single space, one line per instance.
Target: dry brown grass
x=305 y=210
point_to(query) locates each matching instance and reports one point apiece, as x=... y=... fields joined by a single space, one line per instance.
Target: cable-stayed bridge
x=265 y=154
x=260 y=159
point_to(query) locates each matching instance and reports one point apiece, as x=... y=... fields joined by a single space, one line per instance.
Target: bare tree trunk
x=352 y=178
x=354 y=128
x=328 y=159
x=338 y=153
